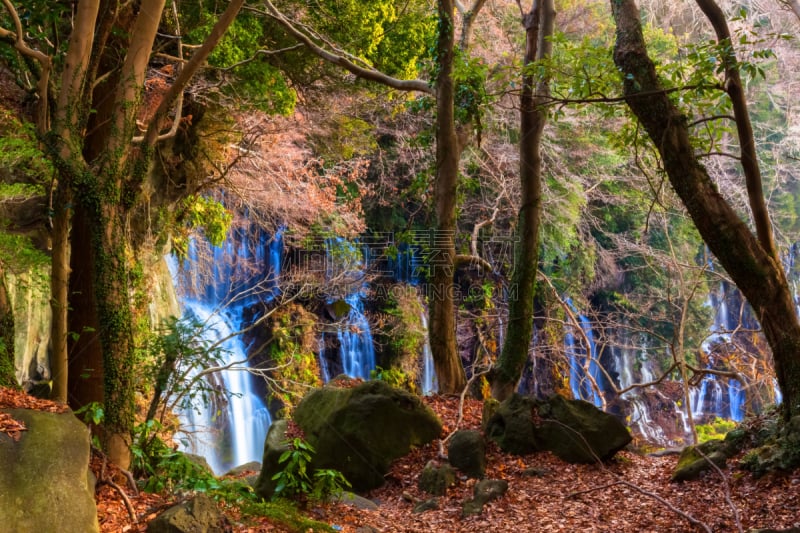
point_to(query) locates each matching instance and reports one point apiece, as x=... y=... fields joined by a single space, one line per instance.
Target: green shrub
x=716 y=430
x=295 y=480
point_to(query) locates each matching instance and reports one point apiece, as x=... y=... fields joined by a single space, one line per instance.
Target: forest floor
x=631 y=493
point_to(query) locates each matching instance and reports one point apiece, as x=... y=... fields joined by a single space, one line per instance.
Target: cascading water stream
x=430 y=384
x=244 y=272
x=346 y=265
x=580 y=385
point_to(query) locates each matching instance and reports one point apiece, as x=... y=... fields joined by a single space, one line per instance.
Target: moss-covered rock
x=486 y=490
x=694 y=460
x=467 y=452
x=198 y=515
x=574 y=430
x=274 y=446
x=360 y=430
x=436 y=479
x=45 y=479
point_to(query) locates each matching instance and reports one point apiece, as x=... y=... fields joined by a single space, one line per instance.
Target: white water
x=244 y=272
x=430 y=384
x=232 y=432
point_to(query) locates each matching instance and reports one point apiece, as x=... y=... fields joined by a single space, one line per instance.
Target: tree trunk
x=8 y=376
x=59 y=295
x=757 y=273
x=449 y=370
x=538 y=24
x=85 y=376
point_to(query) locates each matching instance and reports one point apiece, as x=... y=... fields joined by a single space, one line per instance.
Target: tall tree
x=538 y=24
x=93 y=136
x=750 y=259
x=449 y=147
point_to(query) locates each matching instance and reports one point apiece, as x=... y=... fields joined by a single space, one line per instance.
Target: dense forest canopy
x=572 y=161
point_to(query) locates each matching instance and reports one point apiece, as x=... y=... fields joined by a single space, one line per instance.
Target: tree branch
x=369 y=74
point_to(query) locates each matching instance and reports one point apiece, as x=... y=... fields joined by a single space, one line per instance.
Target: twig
x=635 y=487
x=653 y=495
x=725 y=487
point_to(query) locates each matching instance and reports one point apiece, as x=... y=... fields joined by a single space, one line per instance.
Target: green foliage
x=18 y=254
x=21 y=157
x=716 y=430
x=173 y=360
x=202 y=214
x=292 y=351
x=393 y=36
x=295 y=479
x=286 y=513
x=394 y=377
x=256 y=82
x=349 y=137
x=165 y=468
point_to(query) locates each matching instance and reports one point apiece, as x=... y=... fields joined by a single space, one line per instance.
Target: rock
x=44 y=479
x=574 y=430
x=535 y=471
x=486 y=490
x=274 y=446
x=694 y=460
x=467 y=452
x=354 y=500
x=360 y=430
x=199 y=460
x=252 y=466
x=427 y=505
x=198 y=515
x=436 y=479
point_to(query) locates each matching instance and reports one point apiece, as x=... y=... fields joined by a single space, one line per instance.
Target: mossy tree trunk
x=538 y=24
x=91 y=133
x=449 y=369
x=749 y=259
x=7 y=370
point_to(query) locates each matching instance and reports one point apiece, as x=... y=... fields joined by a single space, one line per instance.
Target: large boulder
x=45 y=479
x=360 y=430
x=274 y=446
x=574 y=430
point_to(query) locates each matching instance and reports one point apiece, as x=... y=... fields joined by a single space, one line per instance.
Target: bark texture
x=756 y=271
x=538 y=25
x=449 y=369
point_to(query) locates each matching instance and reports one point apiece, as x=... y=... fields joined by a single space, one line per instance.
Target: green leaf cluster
x=393 y=36
x=296 y=479
x=245 y=71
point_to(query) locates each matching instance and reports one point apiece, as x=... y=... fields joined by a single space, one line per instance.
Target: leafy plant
x=294 y=479
x=716 y=430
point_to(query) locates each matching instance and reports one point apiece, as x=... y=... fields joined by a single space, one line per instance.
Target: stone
x=359 y=430
x=485 y=491
x=574 y=430
x=466 y=451
x=436 y=479
x=427 y=505
x=274 y=446
x=45 y=482
x=694 y=460
x=198 y=515
x=354 y=500
x=252 y=466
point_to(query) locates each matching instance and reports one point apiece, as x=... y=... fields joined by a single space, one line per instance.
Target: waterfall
x=356 y=348
x=236 y=435
x=429 y=382
x=217 y=285
x=580 y=386
x=346 y=265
